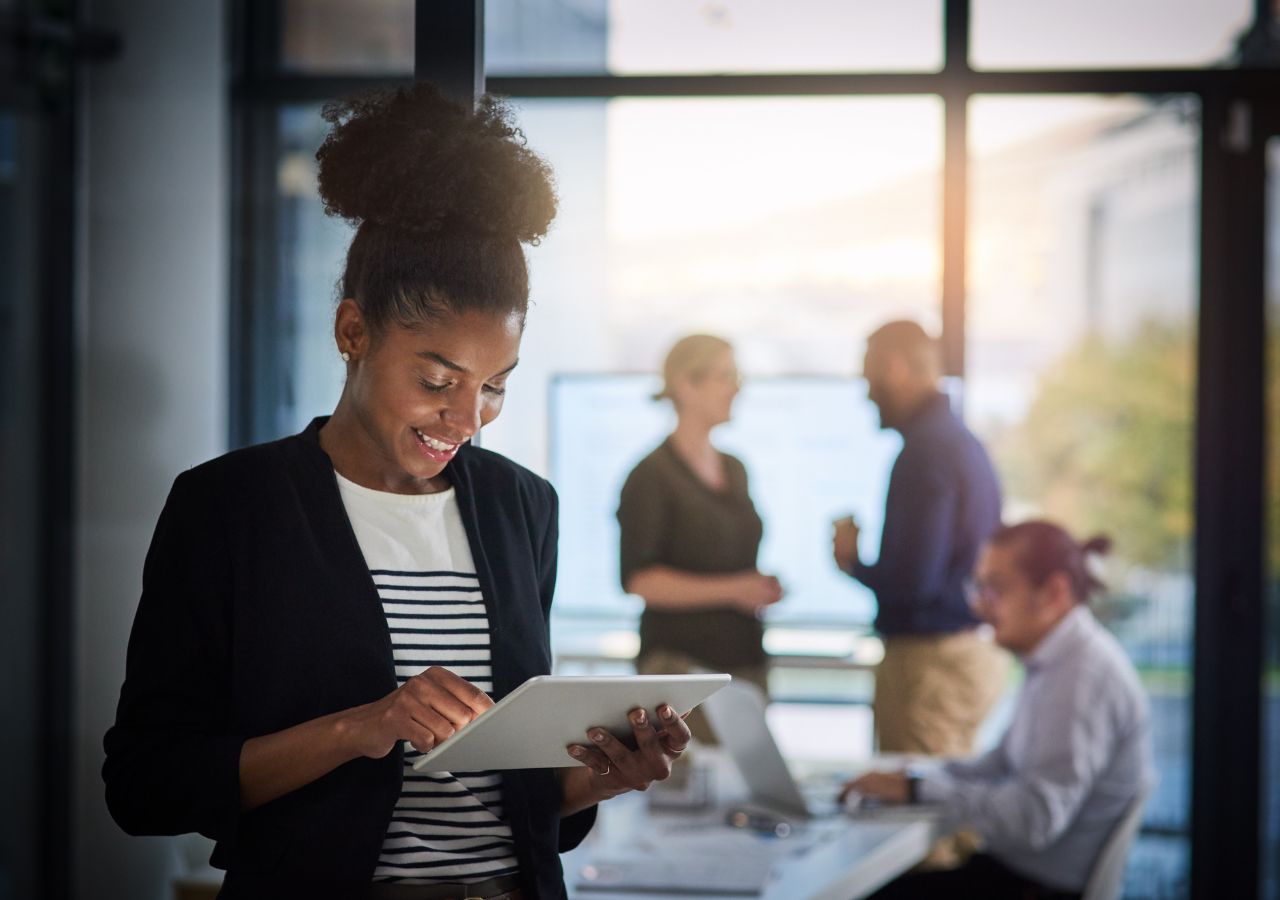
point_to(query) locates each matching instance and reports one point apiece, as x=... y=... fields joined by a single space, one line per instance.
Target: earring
x=346 y=357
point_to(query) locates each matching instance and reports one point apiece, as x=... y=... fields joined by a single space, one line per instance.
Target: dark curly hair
x=443 y=199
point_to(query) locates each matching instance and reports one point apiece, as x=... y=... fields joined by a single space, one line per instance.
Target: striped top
x=447 y=826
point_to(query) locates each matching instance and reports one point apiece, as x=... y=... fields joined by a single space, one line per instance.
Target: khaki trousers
x=933 y=692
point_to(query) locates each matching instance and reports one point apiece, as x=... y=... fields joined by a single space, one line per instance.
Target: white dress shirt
x=1076 y=754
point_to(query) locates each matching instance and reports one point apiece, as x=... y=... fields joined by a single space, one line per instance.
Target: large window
x=868 y=166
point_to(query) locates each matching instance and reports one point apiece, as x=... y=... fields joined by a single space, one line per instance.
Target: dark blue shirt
x=943 y=502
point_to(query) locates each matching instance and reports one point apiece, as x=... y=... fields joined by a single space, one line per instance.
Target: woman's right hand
x=425 y=710
x=756 y=591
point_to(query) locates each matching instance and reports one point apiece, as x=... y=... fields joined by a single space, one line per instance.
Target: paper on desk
x=727 y=843
x=723 y=862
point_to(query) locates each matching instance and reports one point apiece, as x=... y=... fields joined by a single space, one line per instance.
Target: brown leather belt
x=506 y=887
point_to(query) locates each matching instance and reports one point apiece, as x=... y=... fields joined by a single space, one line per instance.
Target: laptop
x=737 y=714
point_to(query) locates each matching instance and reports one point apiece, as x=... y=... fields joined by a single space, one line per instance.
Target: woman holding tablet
x=690 y=533
x=311 y=606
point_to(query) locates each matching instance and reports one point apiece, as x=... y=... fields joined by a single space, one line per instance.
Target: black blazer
x=257 y=613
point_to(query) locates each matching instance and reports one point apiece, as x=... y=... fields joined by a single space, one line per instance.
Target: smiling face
x=413 y=396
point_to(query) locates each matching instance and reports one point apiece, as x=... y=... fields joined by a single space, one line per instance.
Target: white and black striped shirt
x=447 y=826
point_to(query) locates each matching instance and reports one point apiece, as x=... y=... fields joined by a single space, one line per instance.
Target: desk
x=836 y=858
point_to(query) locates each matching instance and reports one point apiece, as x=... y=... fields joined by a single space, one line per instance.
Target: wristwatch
x=913 y=784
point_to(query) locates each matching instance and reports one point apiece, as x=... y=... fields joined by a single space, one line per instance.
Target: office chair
x=1107 y=877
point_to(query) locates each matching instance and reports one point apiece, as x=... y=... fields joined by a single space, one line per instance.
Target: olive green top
x=671 y=517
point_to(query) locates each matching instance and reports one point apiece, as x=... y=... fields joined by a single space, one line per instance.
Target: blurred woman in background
x=690 y=533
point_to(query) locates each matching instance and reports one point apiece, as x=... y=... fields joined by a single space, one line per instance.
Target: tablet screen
x=532 y=727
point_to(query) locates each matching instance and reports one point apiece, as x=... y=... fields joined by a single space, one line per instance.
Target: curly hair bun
x=413 y=160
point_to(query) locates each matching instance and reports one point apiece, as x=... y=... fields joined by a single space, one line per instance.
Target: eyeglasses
x=980 y=594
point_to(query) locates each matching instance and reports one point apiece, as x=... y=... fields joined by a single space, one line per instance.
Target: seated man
x=1076 y=754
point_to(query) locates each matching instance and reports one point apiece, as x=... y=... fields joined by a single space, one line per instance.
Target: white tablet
x=533 y=726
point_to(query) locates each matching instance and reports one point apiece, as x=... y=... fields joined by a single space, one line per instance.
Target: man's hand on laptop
x=885 y=787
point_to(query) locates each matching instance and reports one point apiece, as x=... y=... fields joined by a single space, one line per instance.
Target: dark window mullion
x=56 y=80
x=261 y=348
x=289 y=88
x=1226 y=750
x=955 y=185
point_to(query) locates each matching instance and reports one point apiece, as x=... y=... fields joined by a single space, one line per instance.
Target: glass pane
x=546 y=37
x=1271 y=661
x=312 y=249
x=1081 y=376
x=793 y=246
x=647 y=36
x=364 y=37
x=1106 y=34
x=630 y=36
x=21 y=511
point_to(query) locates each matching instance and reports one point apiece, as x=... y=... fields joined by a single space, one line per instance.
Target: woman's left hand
x=612 y=768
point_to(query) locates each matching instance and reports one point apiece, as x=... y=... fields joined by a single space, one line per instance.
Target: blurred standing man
x=939 y=677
